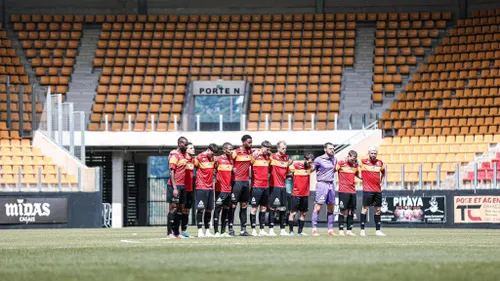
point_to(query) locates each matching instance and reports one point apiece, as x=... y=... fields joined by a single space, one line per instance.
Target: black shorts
x=260 y=197
x=347 y=201
x=223 y=199
x=181 y=194
x=189 y=200
x=372 y=199
x=204 y=200
x=241 y=192
x=278 y=198
x=300 y=203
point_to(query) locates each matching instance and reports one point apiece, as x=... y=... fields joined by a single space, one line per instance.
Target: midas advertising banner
x=477 y=209
x=413 y=209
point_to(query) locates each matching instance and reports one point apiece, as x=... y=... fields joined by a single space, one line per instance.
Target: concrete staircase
x=38 y=90
x=84 y=80
x=355 y=96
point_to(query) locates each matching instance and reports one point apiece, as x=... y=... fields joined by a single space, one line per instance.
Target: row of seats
x=50 y=47
x=400 y=43
x=146 y=65
x=19 y=158
x=459 y=80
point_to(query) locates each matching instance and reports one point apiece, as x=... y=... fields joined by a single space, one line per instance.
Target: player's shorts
x=325 y=193
x=181 y=194
x=278 y=198
x=241 y=192
x=189 y=200
x=347 y=201
x=260 y=197
x=300 y=203
x=372 y=199
x=223 y=199
x=204 y=200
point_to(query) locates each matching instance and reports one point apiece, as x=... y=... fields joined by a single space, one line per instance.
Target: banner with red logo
x=477 y=209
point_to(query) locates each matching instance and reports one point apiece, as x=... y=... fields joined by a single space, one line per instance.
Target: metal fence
x=23 y=119
x=63 y=125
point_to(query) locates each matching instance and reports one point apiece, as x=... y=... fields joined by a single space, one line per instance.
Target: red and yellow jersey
x=301 y=175
x=224 y=166
x=177 y=162
x=242 y=161
x=204 y=172
x=260 y=171
x=279 y=170
x=371 y=172
x=347 y=176
x=189 y=174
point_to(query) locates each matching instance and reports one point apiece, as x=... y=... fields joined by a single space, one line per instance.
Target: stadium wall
x=66 y=160
x=482 y=205
x=65 y=210
x=235 y=7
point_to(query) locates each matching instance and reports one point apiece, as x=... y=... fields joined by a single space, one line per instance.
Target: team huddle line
x=267 y=189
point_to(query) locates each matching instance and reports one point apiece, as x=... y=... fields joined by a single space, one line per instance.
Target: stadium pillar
x=117 y=190
x=320 y=7
x=142 y=7
x=462 y=9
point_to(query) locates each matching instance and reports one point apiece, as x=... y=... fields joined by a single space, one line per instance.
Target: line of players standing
x=267 y=189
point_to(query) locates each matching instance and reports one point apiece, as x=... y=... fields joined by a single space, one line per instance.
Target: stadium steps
x=37 y=88
x=84 y=79
x=389 y=99
x=355 y=97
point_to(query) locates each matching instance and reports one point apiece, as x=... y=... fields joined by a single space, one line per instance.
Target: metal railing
x=406 y=177
x=59 y=122
x=356 y=137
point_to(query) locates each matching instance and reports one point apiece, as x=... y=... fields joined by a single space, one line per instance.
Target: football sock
x=363 y=221
x=377 y=221
x=199 y=219
x=341 y=222
x=253 y=220
x=262 y=219
x=301 y=225
x=208 y=215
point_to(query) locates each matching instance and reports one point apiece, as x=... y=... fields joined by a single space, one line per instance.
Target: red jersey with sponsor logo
x=347 y=176
x=242 y=161
x=177 y=162
x=189 y=174
x=224 y=166
x=279 y=170
x=204 y=172
x=301 y=176
x=371 y=172
x=260 y=171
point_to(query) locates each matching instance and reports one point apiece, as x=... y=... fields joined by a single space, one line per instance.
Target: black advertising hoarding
x=413 y=209
x=33 y=210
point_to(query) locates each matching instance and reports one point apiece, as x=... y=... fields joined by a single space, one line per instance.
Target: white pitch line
x=130 y=241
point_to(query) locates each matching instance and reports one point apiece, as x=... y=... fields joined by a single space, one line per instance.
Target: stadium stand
x=456 y=90
x=10 y=66
x=18 y=154
x=401 y=38
x=448 y=113
x=294 y=63
x=50 y=43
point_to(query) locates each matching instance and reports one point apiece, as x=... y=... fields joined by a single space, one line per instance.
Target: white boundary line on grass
x=130 y=241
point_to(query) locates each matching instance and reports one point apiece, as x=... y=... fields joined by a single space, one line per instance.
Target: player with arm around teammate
x=189 y=189
x=347 y=171
x=176 y=189
x=372 y=173
x=224 y=170
x=279 y=169
x=204 y=164
x=260 y=188
x=242 y=157
x=301 y=171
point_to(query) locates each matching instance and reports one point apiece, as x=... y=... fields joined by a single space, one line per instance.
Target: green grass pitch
x=143 y=254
